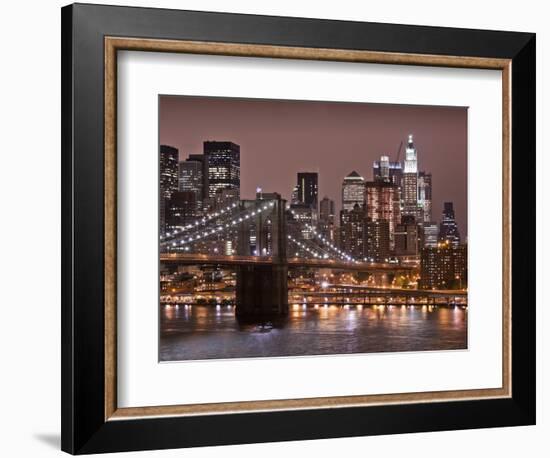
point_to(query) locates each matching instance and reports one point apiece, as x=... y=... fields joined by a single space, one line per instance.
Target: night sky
x=279 y=138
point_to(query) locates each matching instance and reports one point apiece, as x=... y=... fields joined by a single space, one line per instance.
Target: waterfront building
x=224 y=166
x=444 y=266
x=353 y=191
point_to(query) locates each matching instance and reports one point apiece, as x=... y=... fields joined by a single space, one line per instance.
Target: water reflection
x=203 y=332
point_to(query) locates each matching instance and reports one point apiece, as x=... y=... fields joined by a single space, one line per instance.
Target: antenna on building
x=399 y=151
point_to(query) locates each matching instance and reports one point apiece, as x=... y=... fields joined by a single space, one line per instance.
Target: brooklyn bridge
x=266 y=250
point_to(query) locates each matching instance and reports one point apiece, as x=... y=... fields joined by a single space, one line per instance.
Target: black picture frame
x=84 y=428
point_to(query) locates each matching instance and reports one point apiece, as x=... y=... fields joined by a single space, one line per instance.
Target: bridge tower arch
x=262 y=290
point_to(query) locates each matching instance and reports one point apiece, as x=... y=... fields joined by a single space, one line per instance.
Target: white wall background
x=30 y=209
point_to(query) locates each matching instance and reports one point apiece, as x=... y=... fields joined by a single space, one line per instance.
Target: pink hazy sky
x=279 y=138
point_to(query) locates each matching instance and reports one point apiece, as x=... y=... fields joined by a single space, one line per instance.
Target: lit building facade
x=191 y=179
x=326 y=218
x=425 y=196
x=385 y=170
x=308 y=188
x=444 y=267
x=168 y=179
x=431 y=234
x=294 y=199
x=353 y=191
x=224 y=166
x=352 y=231
x=376 y=240
x=301 y=220
x=181 y=210
x=410 y=180
x=382 y=204
x=448 y=229
x=407 y=237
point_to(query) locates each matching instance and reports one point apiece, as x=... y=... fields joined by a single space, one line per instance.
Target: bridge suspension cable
x=200 y=222
x=204 y=233
x=325 y=241
x=314 y=251
x=330 y=245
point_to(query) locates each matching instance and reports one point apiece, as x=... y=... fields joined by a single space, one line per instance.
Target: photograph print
x=303 y=228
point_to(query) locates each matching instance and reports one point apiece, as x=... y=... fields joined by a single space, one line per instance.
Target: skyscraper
x=294 y=198
x=382 y=204
x=326 y=218
x=308 y=188
x=181 y=209
x=431 y=234
x=204 y=161
x=448 y=229
x=353 y=191
x=168 y=179
x=410 y=181
x=425 y=196
x=407 y=237
x=377 y=240
x=385 y=170
x=191 y=178
x=224 y=166
x=352 y=231
x=301 y=221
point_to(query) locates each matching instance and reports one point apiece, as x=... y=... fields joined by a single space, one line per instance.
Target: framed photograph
x=281 y=228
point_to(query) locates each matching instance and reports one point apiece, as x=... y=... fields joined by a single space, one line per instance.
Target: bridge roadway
x=237 y=260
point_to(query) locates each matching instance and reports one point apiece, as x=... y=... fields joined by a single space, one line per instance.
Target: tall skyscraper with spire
x=410 y=180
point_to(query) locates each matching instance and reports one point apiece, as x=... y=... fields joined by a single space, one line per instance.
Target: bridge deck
x=236 y=260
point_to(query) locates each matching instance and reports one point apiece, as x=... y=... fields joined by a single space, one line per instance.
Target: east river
x=207 y=332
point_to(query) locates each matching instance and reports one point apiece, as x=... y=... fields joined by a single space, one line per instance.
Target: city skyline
x=293 y=225
x=259 y=168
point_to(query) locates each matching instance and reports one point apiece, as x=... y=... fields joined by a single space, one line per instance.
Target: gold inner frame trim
x=114 y=44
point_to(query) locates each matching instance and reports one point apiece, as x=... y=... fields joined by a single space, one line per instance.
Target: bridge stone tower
x=262 y=289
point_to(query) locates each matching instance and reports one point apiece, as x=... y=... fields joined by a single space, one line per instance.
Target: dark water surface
x=205 y=332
